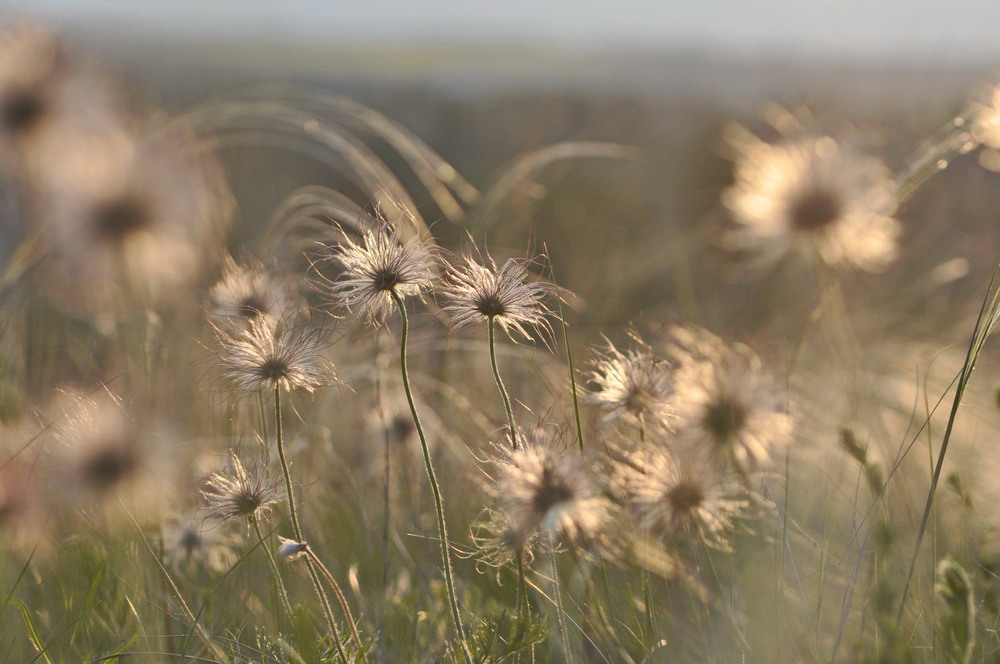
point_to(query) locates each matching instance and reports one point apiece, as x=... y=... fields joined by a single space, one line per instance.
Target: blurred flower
x=815 y=194
x=259 y=357
x=131 y=214
x=250 y=289
x=240 y=493
x=105 y=455
x=726 y=404
x=635 y=385
x=378 y=265
x=190 y=543
x=541 y=488
x=477 y=293
x=44 y=87
x=289 y=550
x=680 y=495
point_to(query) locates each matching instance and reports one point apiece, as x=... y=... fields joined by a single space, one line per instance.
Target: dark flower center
x=815 y=210
x=252 y=306
x=21 y=110
x=724 y=419
x=247 y=503
x=551 y=492
x=401 y=427
x=273 y=369
x=189 y=541
x=491 y=306
x=637 y=400
x=386 y=280
x=685 y=497
x=107 y=467
x=117 y=219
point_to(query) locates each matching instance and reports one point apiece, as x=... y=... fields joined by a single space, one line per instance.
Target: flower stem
x=449 y=581
x=297 y=530
x=282 y=592
x=340 y=596
x=511 y=430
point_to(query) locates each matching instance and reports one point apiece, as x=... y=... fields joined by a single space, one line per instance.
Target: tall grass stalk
x=449 y=580
x=569 y=357
x=297 y=530
x=560 y=607
x=985 y=321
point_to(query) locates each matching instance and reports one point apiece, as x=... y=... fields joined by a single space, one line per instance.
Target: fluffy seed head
x=726 y=404
x=376 y=265
x=147 y=212
x=814 y=193
x=476 y=293
x=681 y=496
x=635 y=385
x=288 y=356
x=250 y=289
x=240 y=492
x=543 y=489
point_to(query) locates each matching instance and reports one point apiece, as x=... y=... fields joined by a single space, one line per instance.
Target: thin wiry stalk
x=340 y=597
x=560 y=609
x=569 y=358
x=282 y=592
x=449 y=580
x=953 y=139
x=297 y=530
x=511 y=430
x=523 y=605
x=984 y=326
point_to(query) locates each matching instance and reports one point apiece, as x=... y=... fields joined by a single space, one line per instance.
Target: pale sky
x=916 y=31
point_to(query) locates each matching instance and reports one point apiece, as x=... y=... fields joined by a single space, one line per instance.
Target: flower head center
x=550 y=493
x=21 y=111
x=386 y=280
x=117 y=219
x=251 y=306
x=814 y=210
x=685 y=497
x=725 y=418
x=273 y=369
x=247 y=502
x=107 y=467
x=491 y=306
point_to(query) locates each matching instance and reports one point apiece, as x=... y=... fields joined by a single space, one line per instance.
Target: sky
x=917 y=31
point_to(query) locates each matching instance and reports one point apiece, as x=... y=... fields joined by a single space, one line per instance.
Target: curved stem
x=340 y=596
x=511 y=430
x=449 y=581
x=297 y=530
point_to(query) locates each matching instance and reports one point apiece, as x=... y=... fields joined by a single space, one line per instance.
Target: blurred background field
x=481 y=86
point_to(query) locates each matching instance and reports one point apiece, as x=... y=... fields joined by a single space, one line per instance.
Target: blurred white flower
x=814 y=194
x=725 y=403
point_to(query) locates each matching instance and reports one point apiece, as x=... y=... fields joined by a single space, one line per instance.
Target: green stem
x=449 y=581
x=340 y=596
x=297 y=530
x=511 y=430
x=282 y=592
